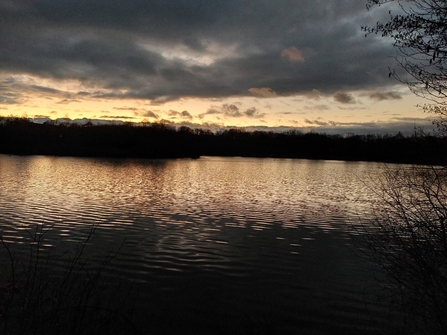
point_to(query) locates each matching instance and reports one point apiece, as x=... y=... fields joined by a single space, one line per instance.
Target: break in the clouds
x=165 y=50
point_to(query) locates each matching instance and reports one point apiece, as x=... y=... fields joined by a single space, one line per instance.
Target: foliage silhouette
x=418 y=31
x=23 y=137
x=408 y=238
x=37 y=299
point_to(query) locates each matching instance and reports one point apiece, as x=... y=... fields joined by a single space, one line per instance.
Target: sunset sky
x=214 y=63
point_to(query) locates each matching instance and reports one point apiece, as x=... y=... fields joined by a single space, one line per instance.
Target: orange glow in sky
x=274 y=65
x=307 y=111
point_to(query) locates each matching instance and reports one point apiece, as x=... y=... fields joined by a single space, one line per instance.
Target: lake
x=214 y=245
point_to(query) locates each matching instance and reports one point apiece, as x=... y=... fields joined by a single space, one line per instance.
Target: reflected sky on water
x=241 y=243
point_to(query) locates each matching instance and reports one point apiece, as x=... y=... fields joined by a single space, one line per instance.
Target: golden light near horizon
x=176 y=65
x=47 y=98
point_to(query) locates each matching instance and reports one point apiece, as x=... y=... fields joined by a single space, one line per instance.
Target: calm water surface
x=214 y=245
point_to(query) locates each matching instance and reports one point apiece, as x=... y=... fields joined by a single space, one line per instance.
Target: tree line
x=23 y=137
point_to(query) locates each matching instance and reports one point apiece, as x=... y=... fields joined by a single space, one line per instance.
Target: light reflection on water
x=234 y=244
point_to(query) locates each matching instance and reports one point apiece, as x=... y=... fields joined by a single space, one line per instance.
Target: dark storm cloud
x=320 y=122
x=264 y=92
x=45 y=89
x=320 y=107
x=184 y=114
x=253 y=112
x=8 y=100
x=163 y=50
x=210 y=111
x=66 y=101
x=147 y=113
x=233 y=111
x=344 y=98
x=379 y=96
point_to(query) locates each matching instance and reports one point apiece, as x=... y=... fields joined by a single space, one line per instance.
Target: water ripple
x=252 y=239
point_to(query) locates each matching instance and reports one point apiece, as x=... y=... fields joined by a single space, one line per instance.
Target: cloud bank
x=165 y=50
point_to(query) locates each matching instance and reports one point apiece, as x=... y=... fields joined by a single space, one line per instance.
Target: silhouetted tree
x=408 y=240
x=21 y=136
x=419 y=32
x=408 y=237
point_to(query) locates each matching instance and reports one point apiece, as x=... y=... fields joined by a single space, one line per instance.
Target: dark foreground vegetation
x=35 y=299
x=407 y=240
x=23 y=137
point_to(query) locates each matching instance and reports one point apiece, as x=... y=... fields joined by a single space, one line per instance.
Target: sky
x=259 y=64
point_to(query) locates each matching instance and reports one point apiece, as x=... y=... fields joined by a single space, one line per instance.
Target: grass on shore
x=37 y=299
